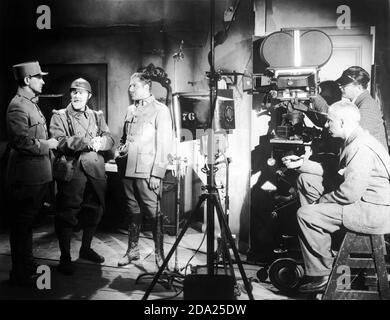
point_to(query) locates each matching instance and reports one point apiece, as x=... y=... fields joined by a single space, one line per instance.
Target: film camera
x=290 y=80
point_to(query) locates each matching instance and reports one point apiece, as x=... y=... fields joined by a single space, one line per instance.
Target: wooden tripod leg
x=168 y=257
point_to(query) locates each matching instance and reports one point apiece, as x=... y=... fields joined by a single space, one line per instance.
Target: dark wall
x=122 y=34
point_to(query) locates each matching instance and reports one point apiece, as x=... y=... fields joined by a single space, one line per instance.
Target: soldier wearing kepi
x=29 y=169
x=82 y=133
x=142 y=158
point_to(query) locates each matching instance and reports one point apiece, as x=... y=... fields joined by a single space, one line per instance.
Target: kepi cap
x=27 y=69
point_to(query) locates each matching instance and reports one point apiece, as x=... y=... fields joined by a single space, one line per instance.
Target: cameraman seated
x=361 y=202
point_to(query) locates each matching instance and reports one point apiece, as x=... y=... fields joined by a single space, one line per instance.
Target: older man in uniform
x=142 y=161
x=82 y=134
x=361 y=202
x=29 y=170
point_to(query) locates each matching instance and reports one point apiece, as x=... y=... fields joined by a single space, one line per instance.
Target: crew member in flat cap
x=353 y=84
x=29 y=170
x=142 y=160
x=79 y=171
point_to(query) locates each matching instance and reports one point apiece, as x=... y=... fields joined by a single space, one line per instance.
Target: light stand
x=211 y=194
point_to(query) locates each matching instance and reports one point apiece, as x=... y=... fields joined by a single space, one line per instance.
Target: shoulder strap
x=97 y=121
x=70 y=126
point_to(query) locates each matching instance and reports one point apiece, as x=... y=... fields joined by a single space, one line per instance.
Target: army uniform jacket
x=86 y=125
x=365 y=190
x=147 y=138
x=30 y=157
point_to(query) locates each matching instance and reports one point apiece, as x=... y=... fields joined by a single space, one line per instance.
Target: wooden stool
x=359 y=263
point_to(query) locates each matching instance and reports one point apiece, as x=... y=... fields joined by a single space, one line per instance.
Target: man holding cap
x=82 y=134
x=353 y=84
x=29 y=170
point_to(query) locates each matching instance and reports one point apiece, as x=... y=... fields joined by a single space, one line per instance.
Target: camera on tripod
x=285 y=85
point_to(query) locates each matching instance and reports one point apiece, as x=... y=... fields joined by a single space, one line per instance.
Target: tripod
x=211 y=196
x=223 y=253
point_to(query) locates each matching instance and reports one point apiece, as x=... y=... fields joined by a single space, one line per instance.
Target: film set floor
x=110 y=282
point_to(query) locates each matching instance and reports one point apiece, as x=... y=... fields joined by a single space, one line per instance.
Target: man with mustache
x=82 y=134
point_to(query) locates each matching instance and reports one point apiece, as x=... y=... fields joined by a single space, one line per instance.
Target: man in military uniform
x=29 y=170
x=82 y=134
x=142 y=158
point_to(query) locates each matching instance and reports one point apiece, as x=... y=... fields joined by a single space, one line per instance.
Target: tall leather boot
x=30 y=263
x=86 y=252
x=132 y=252
x=158 y=237
x=64 y=235
x=21 y=253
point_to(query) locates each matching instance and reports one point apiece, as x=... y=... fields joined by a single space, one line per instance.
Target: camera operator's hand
x=293 y=161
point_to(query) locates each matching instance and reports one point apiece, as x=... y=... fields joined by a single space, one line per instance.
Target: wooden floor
x=110 y=282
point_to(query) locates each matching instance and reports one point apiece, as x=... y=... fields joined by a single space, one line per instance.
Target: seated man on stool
x=361 y=202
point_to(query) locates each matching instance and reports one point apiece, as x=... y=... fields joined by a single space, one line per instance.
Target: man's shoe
x=317 y=284
x=91 y=255
x=66 y=268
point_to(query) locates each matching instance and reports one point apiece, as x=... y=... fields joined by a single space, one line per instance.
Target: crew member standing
x=142 y=161
x=82 y=134
x=29 y=170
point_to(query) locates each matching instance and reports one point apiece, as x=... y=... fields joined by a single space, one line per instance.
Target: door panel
x=348 y=50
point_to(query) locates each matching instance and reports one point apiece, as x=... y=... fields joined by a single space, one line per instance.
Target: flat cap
x=354 y=74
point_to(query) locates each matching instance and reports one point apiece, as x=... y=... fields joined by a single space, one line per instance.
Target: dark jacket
x=30 y=157
x=85 y=126
x=371 y=117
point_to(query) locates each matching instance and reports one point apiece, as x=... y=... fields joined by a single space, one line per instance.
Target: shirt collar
x=144 y=102
x=354 y=134
x=77 y=113
x=27 y=94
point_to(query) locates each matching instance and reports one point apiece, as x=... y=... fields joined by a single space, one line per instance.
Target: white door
x=353 y=47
